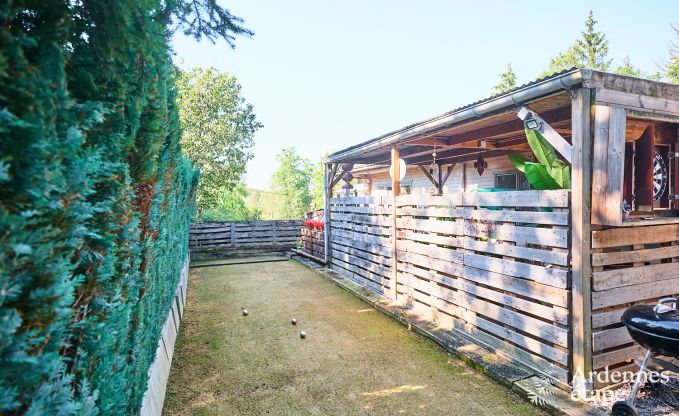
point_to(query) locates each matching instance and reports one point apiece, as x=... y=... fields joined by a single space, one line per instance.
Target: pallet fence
x=630 y=265
x=491 y=265
x=312 y=238
x=228 y=238
x=360 y=240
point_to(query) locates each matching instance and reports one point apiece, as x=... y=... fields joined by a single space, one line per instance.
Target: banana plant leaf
x=518 y=161
x=543 y=151
x=539 y=177
x=561 y=173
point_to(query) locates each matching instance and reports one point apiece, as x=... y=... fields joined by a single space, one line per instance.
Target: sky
x=324 y=75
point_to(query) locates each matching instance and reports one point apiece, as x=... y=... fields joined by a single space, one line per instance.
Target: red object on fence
x=311 y=224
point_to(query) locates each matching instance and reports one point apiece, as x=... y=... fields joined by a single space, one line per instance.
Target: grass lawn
x=354 y=360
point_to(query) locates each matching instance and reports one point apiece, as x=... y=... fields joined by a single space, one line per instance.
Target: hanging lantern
x=433 y=162
x=480 y=165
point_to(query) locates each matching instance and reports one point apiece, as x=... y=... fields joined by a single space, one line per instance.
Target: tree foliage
x=95 y=201
x=207 y=18
x=628 y=69
x=671 y=67
x=593 y=46
x=507 y=81
x=231 y=206
x=218 y=129
x=291 y=185
x=590 y=51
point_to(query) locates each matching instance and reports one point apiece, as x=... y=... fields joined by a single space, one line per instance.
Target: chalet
x=436 y=217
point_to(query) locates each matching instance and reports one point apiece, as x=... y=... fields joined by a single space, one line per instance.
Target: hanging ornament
x=433 y=162
x=480 y=165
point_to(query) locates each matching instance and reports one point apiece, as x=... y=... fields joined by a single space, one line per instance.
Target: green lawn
x=354 y=360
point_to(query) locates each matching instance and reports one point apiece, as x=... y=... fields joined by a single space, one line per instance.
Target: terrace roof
x=492 y=120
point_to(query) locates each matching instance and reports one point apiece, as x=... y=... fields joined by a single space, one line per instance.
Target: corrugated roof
x=447 y=113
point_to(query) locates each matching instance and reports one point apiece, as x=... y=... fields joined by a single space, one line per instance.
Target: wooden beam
x=440 y=155
x=448 y=172
x=429 y=141
x=335 y=180
x=395 y=190
x=507 y=128
x=333 y=173
x=471 y=155
x=581 y=268
x=560 y=144
x=431 y=178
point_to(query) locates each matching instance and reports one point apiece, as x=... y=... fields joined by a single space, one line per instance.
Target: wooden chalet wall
x=312 y=240
x=232 y=238
x=491 y=265
x=630 y=265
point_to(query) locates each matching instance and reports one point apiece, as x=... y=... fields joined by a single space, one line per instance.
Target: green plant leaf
x=539 y=177
x=561 y=173
x=543 y=151
x=518 y=161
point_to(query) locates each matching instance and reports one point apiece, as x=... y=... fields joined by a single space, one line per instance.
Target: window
x=506 y=180
x=511 y=181
x=406 y=187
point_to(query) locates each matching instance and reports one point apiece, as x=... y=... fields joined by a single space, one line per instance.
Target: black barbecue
x=655 y=327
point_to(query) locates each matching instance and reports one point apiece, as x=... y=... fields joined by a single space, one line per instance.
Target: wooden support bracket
x=438 y=184
x=560 y=144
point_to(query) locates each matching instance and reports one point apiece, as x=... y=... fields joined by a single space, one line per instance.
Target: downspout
x=326 y=216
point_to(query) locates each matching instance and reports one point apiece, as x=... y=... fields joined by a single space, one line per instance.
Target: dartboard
x=659 y=177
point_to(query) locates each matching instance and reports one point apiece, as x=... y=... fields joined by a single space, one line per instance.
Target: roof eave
x=514 y=98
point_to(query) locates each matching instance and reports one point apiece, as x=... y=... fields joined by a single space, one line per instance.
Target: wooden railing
x=229 y=238
x=491 y=265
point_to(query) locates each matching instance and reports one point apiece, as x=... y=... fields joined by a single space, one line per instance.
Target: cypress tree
x=95 y=197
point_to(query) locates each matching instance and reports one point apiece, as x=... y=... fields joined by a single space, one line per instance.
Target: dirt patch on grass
x=354 y=360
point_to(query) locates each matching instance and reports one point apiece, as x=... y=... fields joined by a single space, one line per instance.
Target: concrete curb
x=501 y=370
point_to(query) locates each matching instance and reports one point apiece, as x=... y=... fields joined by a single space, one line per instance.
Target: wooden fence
x=630 y=265
x=312 y=235
x=223 y=239
x=491 y=265
x=360 y=240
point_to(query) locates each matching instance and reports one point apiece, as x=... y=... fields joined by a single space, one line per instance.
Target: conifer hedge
x=95 y=200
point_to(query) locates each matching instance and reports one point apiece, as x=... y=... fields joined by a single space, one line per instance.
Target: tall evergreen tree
x=593 y=46
x=626 y=68
x=507 y=80
x=590 y=51
x=95 y=198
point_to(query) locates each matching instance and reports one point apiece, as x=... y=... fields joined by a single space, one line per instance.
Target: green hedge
x=95 y=202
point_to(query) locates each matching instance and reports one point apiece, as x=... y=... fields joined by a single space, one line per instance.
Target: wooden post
x=395 y=189
x=581 y=268
x=273 y=231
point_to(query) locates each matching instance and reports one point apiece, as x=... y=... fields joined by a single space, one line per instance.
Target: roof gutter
x=516 y=98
